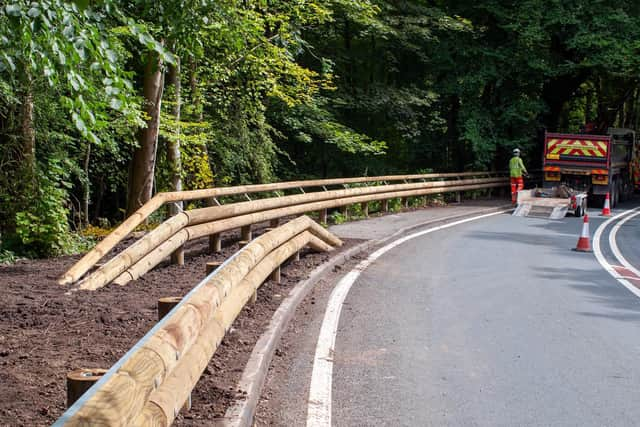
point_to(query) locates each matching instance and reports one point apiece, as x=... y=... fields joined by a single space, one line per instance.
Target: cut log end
x=79 y=381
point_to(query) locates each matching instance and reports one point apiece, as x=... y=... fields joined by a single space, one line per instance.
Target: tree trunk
x=173 y=152
x=173 y=146
x=141 y=172
x=86 y=188
x=28 y=132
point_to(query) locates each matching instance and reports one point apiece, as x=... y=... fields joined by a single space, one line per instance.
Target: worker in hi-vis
x=516 y=170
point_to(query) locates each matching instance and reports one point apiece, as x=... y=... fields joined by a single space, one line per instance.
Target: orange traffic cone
x=606 y=210
x=584 y=244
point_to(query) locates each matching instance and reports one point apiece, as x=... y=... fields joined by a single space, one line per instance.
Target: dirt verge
x=45 y=333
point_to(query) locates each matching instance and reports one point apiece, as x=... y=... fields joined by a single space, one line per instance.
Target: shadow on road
x=620 y=303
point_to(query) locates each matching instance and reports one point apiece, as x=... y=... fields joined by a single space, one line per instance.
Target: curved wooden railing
x=150 y=383
x=173 y=233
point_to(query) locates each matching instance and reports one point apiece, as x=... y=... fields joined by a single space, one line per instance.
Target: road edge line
x=319 y=406
x=242 y=412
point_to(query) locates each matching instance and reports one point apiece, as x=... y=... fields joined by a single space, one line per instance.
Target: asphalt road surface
x=495 y=322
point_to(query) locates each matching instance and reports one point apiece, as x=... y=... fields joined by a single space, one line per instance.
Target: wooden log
x=137 y=218
x=79 y=381
x=162 y=406
x=212 y=266
x=154 y=258
x=385 y=205
x=204 y=229
x=153 y=240
x=166 y=304
x=243 y=243
x=344 y=210
x=135 y=252
x=228 y=224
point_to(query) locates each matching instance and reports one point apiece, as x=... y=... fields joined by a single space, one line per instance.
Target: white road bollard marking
x=601 y=259
x=319 y=407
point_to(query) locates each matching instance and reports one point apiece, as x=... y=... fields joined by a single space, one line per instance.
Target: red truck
x=593 y=164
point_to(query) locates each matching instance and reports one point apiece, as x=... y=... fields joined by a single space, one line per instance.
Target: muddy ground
x=44 y=333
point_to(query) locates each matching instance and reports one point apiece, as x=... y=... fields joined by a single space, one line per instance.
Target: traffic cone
x=606 y=210
x=584 y=244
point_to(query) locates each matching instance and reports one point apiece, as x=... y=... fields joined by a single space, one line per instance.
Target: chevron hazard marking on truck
x=577 y=147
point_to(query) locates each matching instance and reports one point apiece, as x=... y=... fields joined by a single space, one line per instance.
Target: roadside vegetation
x=103 y=104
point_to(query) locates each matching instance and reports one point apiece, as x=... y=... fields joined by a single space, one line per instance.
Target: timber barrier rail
x=150 y=384
x=170 y=237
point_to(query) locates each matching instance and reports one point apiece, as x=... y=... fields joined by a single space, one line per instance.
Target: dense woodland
x=104 y=103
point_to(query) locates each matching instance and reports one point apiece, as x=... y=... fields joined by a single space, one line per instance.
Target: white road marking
x=614 y=245
x=603 y=262
x=319 y=408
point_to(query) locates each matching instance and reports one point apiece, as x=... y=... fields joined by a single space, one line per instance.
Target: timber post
x=215 y=243
x=245 y=233
x=79 y=381
x=364 y=206
x=405 y=202
x=276 y=275
x=345 y=211
x=177 y=256
x=323 y=216
x=385 y=205
x=211 y=266
x=166 y=304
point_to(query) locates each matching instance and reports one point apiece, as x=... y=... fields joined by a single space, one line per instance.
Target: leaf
x=9 y=62
x=68 y=31
x=79 y=123
x=13 y=10
x=34 y=12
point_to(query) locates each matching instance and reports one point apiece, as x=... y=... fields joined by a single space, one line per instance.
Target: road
x=494 y=322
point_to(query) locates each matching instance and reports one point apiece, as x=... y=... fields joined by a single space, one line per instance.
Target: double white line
x=624 y=280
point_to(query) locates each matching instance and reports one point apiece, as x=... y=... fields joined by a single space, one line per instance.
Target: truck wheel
x=579 y=212
x=614 y=194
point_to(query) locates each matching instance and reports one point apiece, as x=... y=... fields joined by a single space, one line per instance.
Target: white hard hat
x=516 y=151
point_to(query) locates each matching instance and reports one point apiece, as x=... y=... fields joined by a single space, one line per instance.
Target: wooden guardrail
x=90 y=259
x=153 y=248
x=150 y=383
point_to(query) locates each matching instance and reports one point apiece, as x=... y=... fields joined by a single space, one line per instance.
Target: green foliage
x=7 y=257
x=337 y=218
x=41 y=229
x=290 y=89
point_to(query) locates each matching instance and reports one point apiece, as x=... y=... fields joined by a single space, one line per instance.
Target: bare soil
x=45 y=333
